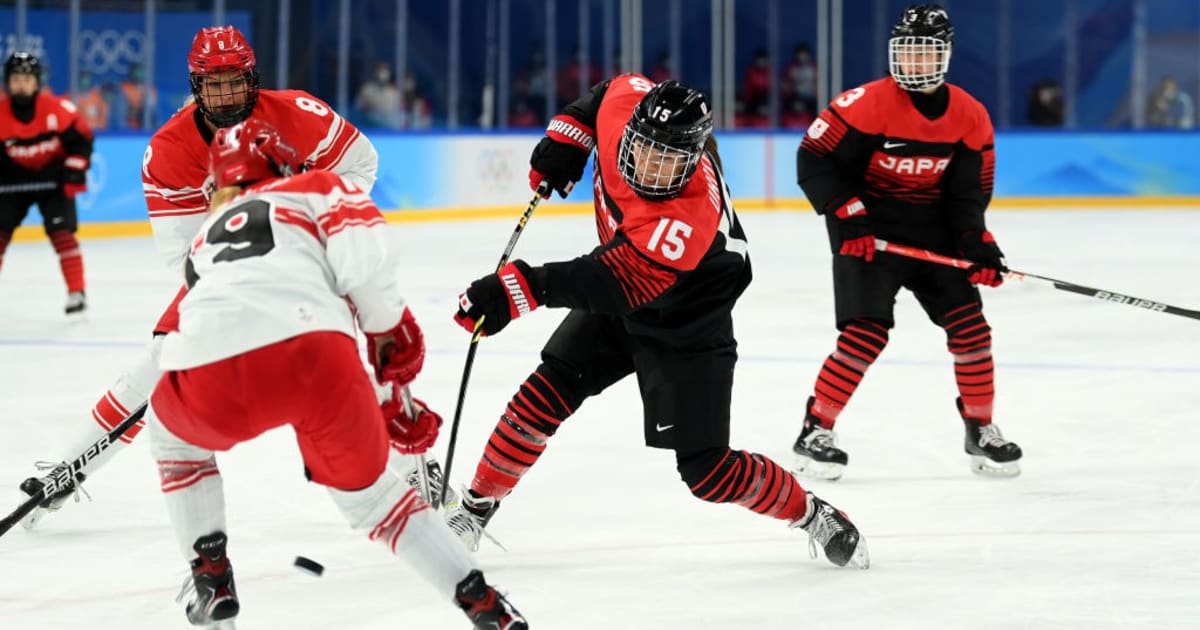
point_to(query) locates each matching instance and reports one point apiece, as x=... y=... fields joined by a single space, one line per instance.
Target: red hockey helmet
x=224 y=75
x=248 y=152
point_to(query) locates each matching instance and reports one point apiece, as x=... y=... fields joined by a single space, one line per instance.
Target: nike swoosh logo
x=893 y=145
x=661 y=428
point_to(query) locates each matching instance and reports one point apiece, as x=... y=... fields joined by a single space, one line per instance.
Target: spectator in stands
x=92 y=102
x=1045 y=104
x=796 y=114
x=567 y=84
x=800 y=77
x=379 y=99
x=417 y=113
x=136 y=97
x=523 y=116
x=1170 y=107
x=662 y=68
x=756 y=85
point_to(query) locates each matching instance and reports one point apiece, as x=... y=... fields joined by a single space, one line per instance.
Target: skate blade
x=808 y=467
x=32 y=519
x=861 y=559
x=985 y=467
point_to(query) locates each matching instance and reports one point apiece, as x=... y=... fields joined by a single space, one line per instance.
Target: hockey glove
x=397 y=354
x=410 y=436
x=854 y=230
x=561 y=156
x=74 y=176
x=980 y=248
x=498 y=298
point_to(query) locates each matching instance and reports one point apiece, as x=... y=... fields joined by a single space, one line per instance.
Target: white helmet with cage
x=920 y=46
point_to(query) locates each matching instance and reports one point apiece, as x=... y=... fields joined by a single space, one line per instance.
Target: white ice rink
x=1102 y=530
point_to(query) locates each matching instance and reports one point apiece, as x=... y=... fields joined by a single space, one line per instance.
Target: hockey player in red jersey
x=274 y=245
x=177 y=185
x=655 y=299
x=47 y=148
x=907 y=158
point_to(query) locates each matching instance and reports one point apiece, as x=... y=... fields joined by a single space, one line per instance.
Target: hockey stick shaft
x=422 y=472
x=543 y=189
x=1061 y=285
x=63 y=477
x=27 y=187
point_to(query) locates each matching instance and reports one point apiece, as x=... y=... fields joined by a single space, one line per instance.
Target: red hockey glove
x=561 y=156
x=397 y=354
x=498 y=298
x=411 y=436
x=74 y=176
x=854 y=230
x=980 y=247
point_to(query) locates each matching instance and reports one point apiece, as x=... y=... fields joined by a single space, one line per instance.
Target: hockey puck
x=311 y=567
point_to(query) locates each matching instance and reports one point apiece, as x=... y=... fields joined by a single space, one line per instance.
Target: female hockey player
x=907 y=158
x=276 y=276
x=654 y=299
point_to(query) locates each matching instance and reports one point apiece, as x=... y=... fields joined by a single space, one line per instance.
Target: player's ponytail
x=710 y=146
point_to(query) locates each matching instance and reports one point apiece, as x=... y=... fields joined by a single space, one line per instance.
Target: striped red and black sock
x=753 y=481
x=858 y=346
x=970 y=341
x=69 y=258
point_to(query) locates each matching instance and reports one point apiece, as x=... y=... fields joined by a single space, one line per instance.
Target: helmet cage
x=655 y=169
x=918 y=62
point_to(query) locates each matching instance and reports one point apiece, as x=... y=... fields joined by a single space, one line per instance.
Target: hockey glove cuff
x=399 y=353
x=495 y=300
x=74 y=176
x=560 y=157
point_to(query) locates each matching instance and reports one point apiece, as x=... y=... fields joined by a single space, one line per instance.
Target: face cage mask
x=229 y=115
x=655 y=170
x=927 y=59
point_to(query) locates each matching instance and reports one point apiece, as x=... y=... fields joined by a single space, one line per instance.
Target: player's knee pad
x=968 y=334
x=370 y=507
x=712 y=474
x=861 y=342
x=545 y=399
x=166 y=446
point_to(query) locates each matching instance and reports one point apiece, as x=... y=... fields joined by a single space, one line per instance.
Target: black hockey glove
x=498 y=298
x=561 y=156
x=979 y=246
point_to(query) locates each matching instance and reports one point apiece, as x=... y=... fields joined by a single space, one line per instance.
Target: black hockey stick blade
x=63 y=477
x=1109 y=296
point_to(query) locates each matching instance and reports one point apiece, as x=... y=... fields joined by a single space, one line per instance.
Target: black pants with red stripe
x=867 y=290
x=58 y=211
x=685 y=390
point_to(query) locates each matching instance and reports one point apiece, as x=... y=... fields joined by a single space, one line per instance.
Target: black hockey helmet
x=664 y=139
x=920 y=46
x=22 y=62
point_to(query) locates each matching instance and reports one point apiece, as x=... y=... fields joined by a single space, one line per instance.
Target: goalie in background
x=281 y=269
x=908 y=158
x=654 y=299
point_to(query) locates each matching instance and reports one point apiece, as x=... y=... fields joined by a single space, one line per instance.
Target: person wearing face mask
x=47 y=149
x=379 y=99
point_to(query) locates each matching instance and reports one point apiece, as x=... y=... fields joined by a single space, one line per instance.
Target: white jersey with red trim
x=175 y=178
x=287 y=256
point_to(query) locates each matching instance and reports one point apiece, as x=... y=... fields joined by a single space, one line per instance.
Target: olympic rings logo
x=111 y=51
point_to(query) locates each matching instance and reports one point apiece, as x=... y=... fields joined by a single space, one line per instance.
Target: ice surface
x=1102 y=529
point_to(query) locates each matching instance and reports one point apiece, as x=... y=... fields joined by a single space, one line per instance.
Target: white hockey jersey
x=286 y=257
x=175 y=178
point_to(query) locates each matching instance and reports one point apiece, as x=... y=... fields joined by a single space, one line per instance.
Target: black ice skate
x=52 y=503
x=485 y=606
x=76 y=303
x=468 y=517
x=991 y=454
x=211 y=584
x=817 y=454
x=830 y=528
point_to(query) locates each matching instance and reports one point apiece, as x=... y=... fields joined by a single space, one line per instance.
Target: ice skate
x=433 y=473
x=485 y=606
x=214 y=601
x=830 y=528
x=817 y=454
x=991 y=454
x=76 y=304
x=52 y=503
x=469 y=515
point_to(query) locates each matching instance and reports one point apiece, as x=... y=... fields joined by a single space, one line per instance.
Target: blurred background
x=407 y=64
x=1092 y=99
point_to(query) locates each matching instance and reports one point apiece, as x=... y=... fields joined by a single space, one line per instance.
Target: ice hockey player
x=281 y=267
x=907 y=158
x=655 y=299
x=47 y=149
x=175 y=179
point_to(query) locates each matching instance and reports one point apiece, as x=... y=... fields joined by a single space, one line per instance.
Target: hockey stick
x=63 y=477
x=1061 y=285
x=29 y=187
x=422 y=472
x=543 y=188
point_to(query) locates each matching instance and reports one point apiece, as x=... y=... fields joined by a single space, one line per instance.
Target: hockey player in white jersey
x=281 y=268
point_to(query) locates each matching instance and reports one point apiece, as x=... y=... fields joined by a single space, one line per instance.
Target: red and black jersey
x=922 y=163
x=35 y=147
x=674 y=267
